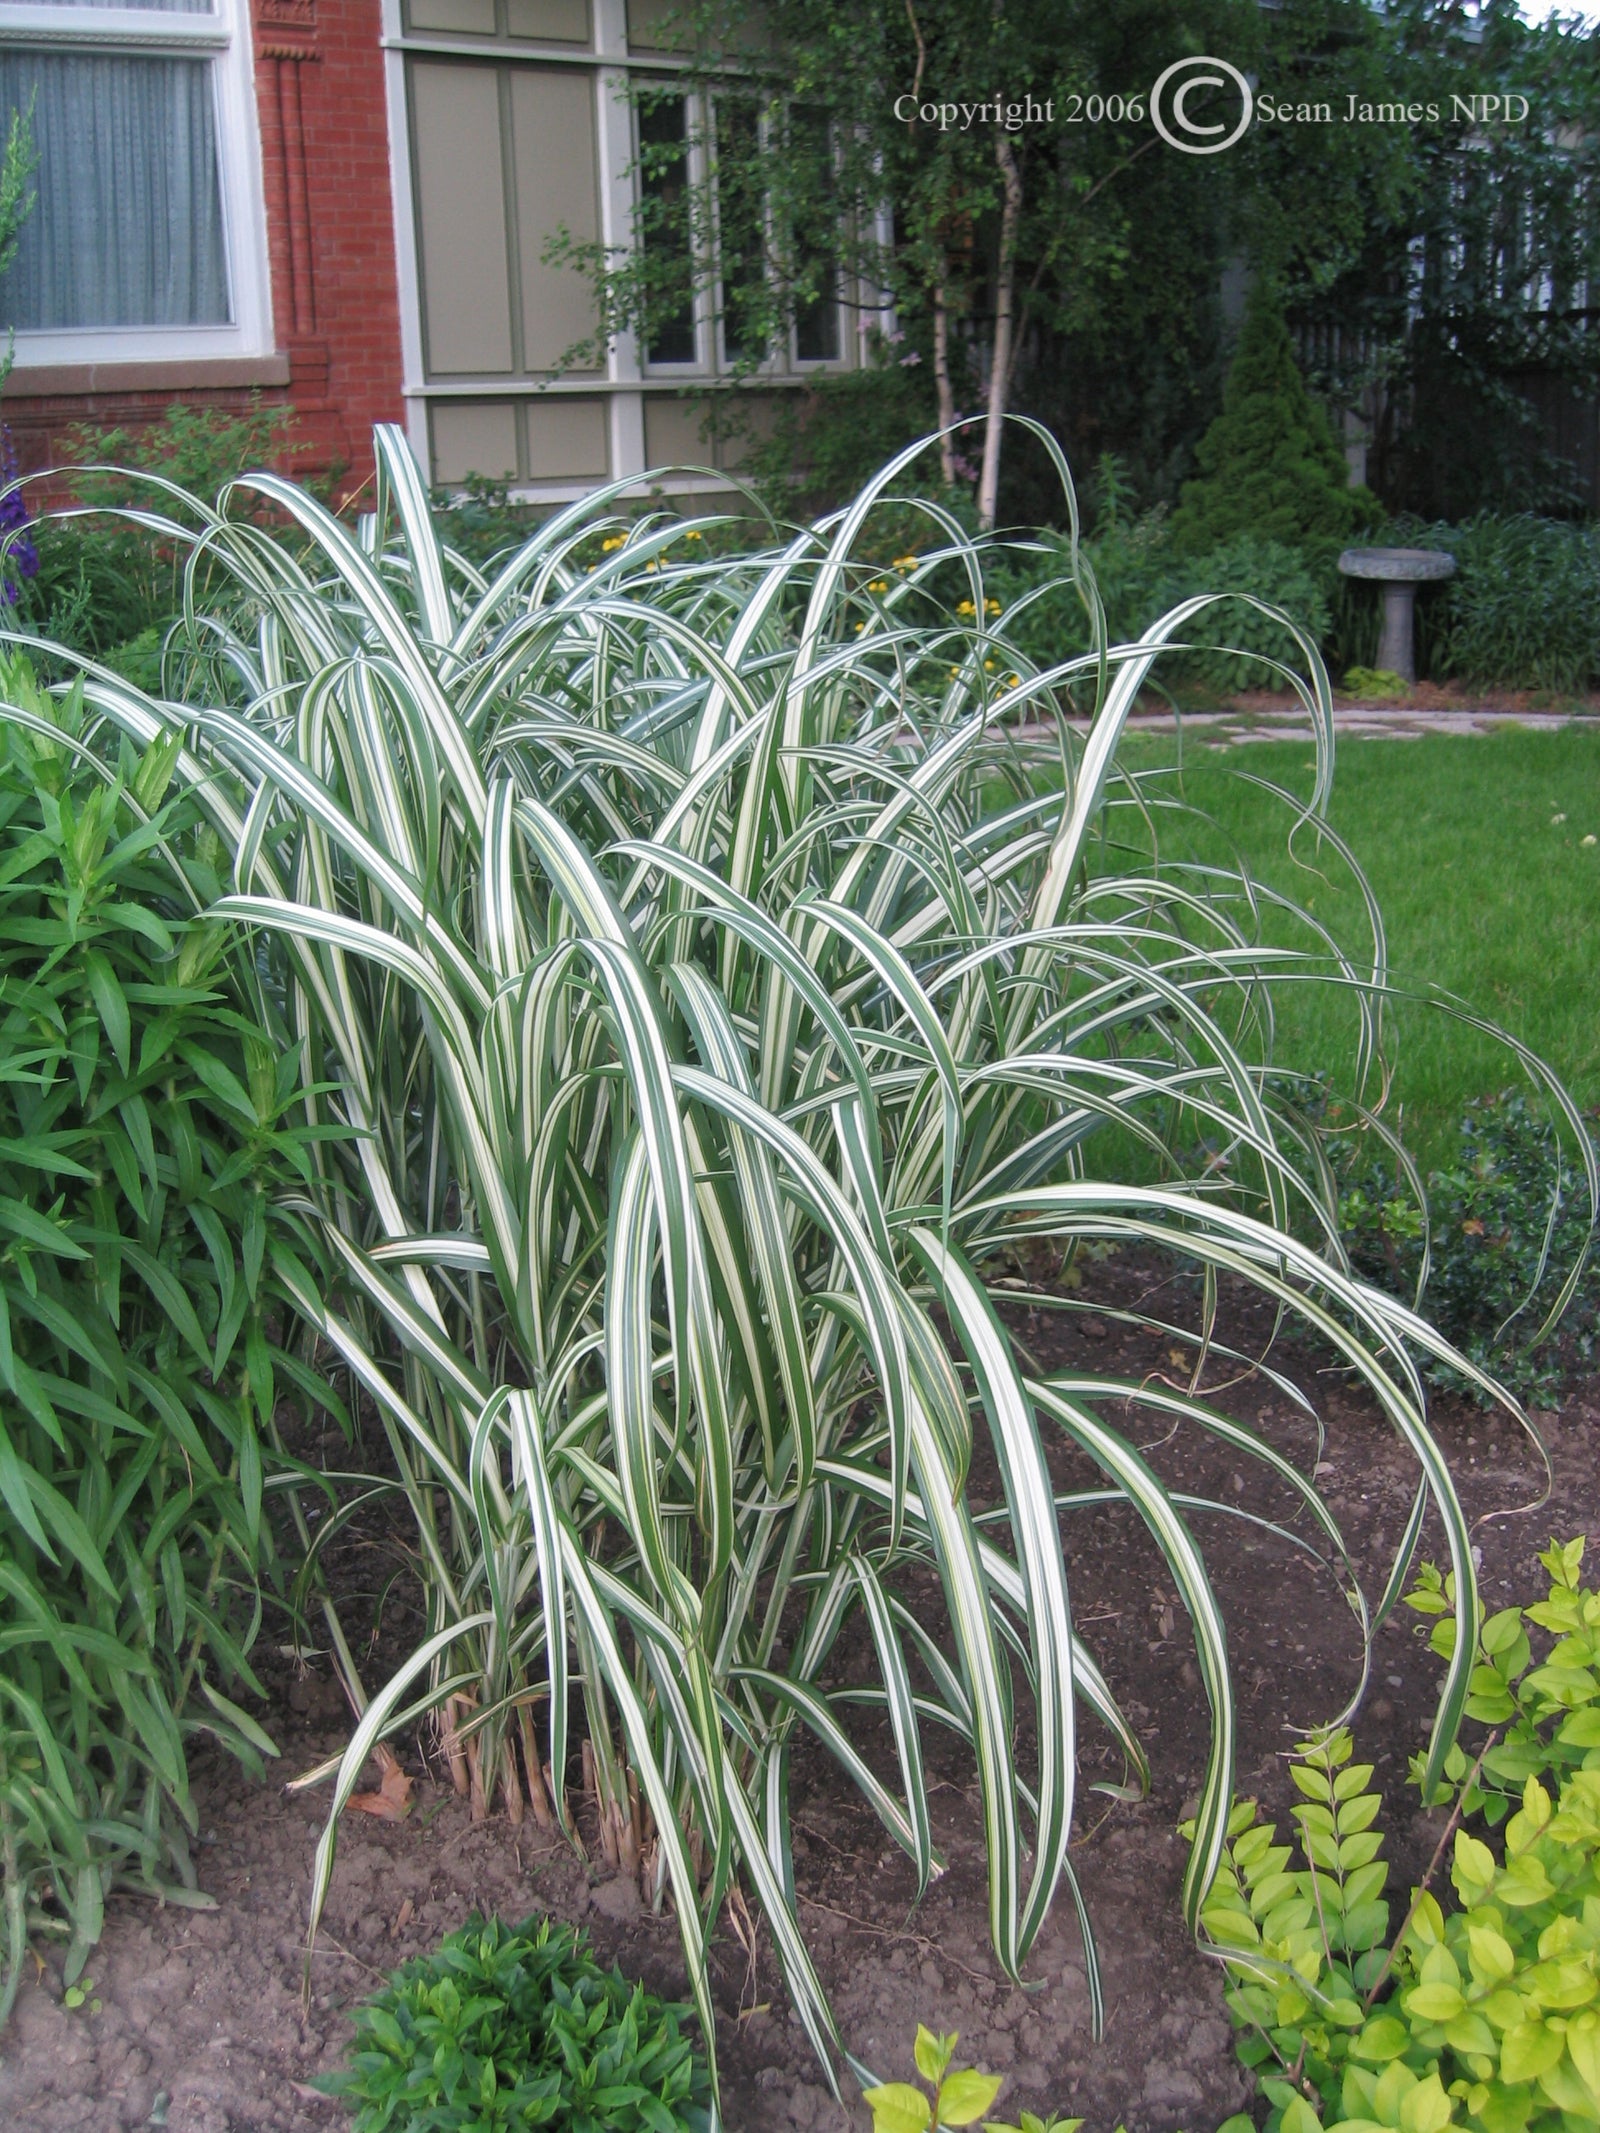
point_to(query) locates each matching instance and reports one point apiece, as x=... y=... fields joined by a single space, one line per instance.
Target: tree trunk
x=941 y=379
x=1004 y=330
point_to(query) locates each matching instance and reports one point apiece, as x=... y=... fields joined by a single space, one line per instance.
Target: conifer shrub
x=1270 y=465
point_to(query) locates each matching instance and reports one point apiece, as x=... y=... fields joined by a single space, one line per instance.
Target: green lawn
x=1482 y=892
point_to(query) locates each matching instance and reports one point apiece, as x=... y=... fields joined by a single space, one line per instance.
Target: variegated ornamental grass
x=722 y=993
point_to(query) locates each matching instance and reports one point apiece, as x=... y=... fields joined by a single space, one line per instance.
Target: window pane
x=816 y=326
x=664 y=186
x=741 y=232
x=127 y=227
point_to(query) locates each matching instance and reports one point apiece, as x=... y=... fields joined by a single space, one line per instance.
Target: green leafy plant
x=144 y=1144
x=956 y=2096
x=1546 y=1718
x=1523 y=610
x=1236 y=643
x=723 y=997
x=1489 y=2018
x=520 y=2027
x=1374 y=684
x=1303 y=1944
x=1239 y=645
x=110 y=582
x=1498 y=1247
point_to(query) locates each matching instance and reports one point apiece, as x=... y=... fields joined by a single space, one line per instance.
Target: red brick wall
x=330 y=220
x=320 y=98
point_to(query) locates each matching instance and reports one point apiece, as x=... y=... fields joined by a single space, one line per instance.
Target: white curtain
x=127 y=227
x=165 y=7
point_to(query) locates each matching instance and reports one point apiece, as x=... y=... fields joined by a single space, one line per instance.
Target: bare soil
x=202 y=2026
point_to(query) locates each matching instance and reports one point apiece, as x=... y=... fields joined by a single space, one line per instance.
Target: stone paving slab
x=1352 y=721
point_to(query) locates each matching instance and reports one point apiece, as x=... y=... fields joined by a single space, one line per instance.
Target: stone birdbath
x=1399 y=571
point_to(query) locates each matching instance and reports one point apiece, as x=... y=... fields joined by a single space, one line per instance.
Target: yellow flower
x=965 y=607
x=1013 y=681
x=615 y=540
x=991 y=607
x=905 y=562
x=878 y=585
x=988 y=666
x=650 y=566
x=691 y=535
x=860 y=626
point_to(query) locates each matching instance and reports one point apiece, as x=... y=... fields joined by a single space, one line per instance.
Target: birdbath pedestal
x=1399 y=571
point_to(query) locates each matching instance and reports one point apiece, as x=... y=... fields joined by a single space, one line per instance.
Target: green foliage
x=1489 y=2019
x=810 y=457
x=519 y=2027
x=1302 y=1944
x=1270 y=467
x=18 y=162
x=957 y=2096
x=1523 y=610
x=144 y=1139
x=480 y=521
x=1374 y=684
x=109 y=586
x=1140 y=576
x=1546 y=1718
x=1506 y=1227
x=1269 y=571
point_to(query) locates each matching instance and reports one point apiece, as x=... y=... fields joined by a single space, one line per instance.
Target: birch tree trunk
x=941 y=379
x=1004 y=330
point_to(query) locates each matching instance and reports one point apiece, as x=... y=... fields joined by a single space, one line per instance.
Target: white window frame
x=222 y=36
x=702 y=363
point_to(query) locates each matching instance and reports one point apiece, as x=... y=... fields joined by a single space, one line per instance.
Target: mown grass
x=1484 y=893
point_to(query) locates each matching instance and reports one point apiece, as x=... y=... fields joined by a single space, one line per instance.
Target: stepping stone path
x=1275 y=719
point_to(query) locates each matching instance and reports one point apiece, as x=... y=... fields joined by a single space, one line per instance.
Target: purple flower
x=19 y=558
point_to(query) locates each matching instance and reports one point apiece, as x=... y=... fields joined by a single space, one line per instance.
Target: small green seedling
x=960 y=2096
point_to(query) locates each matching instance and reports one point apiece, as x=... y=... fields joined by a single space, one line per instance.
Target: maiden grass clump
x=720 y=988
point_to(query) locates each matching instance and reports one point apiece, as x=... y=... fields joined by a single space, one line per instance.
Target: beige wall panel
x=459 y=18
x=552 y=122
x=758 y=414
x=552 y=21
x=672 y=434
x=648 y=25
x=567 y=440
x=474 y=437
x=461 y=218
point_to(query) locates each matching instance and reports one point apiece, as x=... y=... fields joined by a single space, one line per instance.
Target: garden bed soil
x=197 y=2020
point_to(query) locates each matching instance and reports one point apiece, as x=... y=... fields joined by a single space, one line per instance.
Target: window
x=145 y=239
x=710 y=226
x=667 y=232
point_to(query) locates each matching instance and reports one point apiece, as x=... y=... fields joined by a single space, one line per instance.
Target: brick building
x=344 y=204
